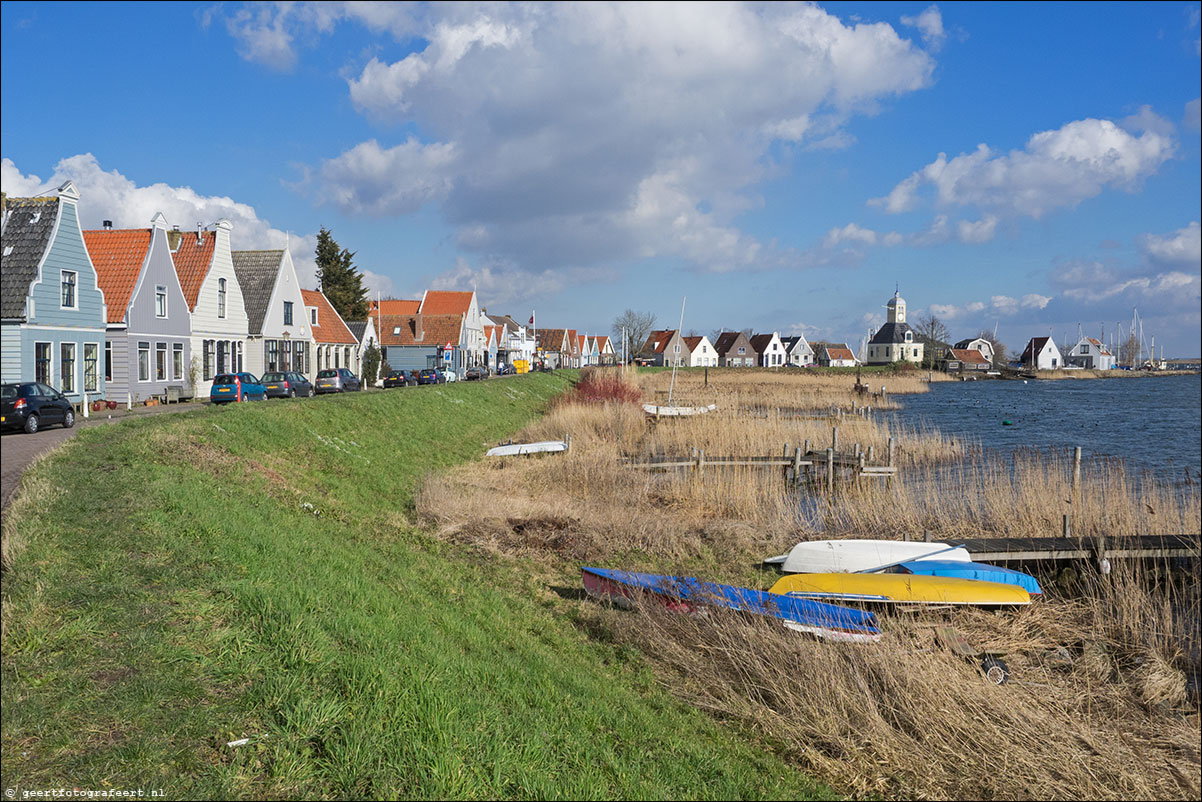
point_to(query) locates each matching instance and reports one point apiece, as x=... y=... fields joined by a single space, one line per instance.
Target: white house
x=770 y=348
x=1041 y=354
x=279 y=337
x=894 y=341
x=979 y=344
x=701 y=352
x=1090 y=353
x=798 y=352
x=447 y=302
x=835 y=355
x=205 y=268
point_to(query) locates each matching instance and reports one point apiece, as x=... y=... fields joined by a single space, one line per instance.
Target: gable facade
x=280 y=337
x=735 y=350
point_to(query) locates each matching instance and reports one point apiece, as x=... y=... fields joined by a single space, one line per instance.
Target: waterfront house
x=964 y=360
x=977 y=344
x=665 y=347
x=798 y=352
x=515 y=342
x=605 y=350
x=894 y=341
x=418 y=342
x=334 y=344
x=1091 y=354
x=735 y=350
x=1041 y=354
x=446 y=302
x=701 y=352
x=366 y=337
x=835 y=355
x=770 y=349
x=52 y=308
x=205 y=267
x=552 y=348
x=279 y=335
x=148 y=338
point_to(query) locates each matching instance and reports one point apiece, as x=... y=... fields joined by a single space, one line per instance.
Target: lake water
x=1154 y=423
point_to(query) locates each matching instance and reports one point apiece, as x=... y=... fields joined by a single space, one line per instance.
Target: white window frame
x=160 y=375
x=177 y=361
x=95 y=386
x=221 y=298
x=312 y=315
x=62 y=282
x=62 y=376
x=288 y=317
x=49 y=379
x=142 y=351
x=160 y=301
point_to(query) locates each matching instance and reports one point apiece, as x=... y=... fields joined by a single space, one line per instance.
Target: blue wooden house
x=52 y=309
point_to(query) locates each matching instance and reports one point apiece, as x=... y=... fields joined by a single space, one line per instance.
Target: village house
x=279 y=336
x=735 y=350
x=205 y=267
x=977 y=344
x=894 y=341
x=770 y=348
x=1090 y=354
x=964 y=360
x=52 y=307
x=553 y=348
x=420 y=342
x=334 y=344
x=148 y=343
x=366 y=337
x=798 y=352
x=1041 y=354
x=516 y=343
x=835 y=355
x=701 y=352
x=666 y=348
x=447 y=302
x=605 y=350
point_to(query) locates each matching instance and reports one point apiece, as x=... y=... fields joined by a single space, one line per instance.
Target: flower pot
x=111 y=404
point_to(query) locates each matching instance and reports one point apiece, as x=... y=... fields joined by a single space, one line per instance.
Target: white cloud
x=108 y=195
x=502 y=284
x=1056 y=169
x=619 y=130
x=376 y=283
x=1182 y=248
x=1167 y=287
x=930 y=23
x=1193 y=115
x=998 y=306
x=849 y=233
x=980 y=231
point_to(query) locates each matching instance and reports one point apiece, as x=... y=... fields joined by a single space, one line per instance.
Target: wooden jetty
x=1039 y=549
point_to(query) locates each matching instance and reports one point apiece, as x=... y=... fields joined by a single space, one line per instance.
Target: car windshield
x=275 y=377
x=327 y=374
x=226 y=378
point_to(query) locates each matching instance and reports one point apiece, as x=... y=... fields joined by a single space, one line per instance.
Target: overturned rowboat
x=518 y=449
x=850 y=556
x=904 y=589
x=664 y=411
x=688 y=594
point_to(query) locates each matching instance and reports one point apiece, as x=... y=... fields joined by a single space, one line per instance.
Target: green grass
x=187 y=580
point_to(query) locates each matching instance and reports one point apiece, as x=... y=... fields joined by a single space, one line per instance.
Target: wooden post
x=567 y=442
x=797 y=467
x=807 y=448
x=890 y=463
x=1065 y=529
x=834 y=438
x=830 y=470
x=1076 y=468
x=857 y=450
x=786 y=450
x=906 y=536
x=926 y=536
x=871 y=453
x=700 y=461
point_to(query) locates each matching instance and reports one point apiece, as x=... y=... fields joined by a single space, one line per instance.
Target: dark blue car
x=229 y=387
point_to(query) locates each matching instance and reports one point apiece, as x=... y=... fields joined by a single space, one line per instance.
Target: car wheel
x=69 y=419
x=292 y=393
x=31 y=424
x=310 y=391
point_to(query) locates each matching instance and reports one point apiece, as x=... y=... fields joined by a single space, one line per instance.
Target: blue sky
x=1028 y=166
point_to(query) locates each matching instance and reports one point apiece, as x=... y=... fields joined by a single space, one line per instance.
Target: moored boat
x=982 y=572
x=517 y=449
x=852 y=555
x=665 y=411
x=901 y=589
x=687 y=594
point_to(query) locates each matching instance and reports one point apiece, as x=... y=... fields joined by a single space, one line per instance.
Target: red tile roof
x=970 y=355
x=192 y=262
x=330 y=327
x=395 y=307
x=118 y=255
x=446 y=302
x=437 y=330
x=602 y=343
x=692 y=343
x=839 y=352
x=657 y=341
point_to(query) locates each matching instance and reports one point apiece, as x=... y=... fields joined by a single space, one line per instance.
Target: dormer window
x=312 y=316
x=909 y=336
x=396 y=330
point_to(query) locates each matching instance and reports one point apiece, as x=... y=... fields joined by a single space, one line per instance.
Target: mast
x=676 y=360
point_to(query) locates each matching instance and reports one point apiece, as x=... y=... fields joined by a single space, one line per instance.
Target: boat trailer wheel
x=995 y=670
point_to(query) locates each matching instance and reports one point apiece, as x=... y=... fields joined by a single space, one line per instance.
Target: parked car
x=448 y=375
x=412 y=376
x=430 y=376
x=287 y=385
x=475 y=374
x=398 y=378
x=229 y=387
x=32 y=405
x=337 y=380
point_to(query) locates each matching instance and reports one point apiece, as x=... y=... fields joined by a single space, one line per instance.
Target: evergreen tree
x=338 y=279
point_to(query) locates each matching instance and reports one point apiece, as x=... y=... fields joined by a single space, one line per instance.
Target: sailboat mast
x=676 y=359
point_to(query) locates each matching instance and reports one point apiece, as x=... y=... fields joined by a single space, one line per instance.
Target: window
x=207 y=348
x=177 y=361
x=41 y=362
x=67 y=365
x=160 y=301
x=222 y=352
x=742 y=350
x=69 y=277
x=160 y=361
x=221 y=297
x=238 y=351
x=108 y=361
x=313 y=317
x=287 y=313
x=916 y=352
x=91 y=356
x=1085 y=349
x=272 y=355
x=143 y=362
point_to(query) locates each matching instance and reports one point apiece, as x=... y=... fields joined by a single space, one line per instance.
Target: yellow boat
x=901 y=589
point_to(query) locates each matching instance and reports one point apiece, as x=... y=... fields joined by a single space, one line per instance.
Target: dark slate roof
x=257 y=272
x=891 y=333
x=28 y=226
x=727 y=340
x=358 y=328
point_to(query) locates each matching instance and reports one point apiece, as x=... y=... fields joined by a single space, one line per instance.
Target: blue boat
x=686 y=594
x=969 y=570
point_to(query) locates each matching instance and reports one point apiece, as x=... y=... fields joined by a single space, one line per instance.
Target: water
x=1153 y=423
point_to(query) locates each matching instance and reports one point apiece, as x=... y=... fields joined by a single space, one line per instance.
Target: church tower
x=896 y=309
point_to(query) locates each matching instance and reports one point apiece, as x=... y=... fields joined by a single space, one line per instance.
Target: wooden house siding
x=10 y=353
x=287 y=288
x=206 y=323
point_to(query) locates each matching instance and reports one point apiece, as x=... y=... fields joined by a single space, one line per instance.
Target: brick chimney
x=418 y=334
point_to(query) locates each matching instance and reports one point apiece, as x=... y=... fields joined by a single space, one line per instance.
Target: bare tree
x=999 y=347
x=931 y=329
x=637 y=325
x=1130 y=351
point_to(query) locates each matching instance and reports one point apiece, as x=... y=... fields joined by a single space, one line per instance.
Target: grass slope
x=188 y=580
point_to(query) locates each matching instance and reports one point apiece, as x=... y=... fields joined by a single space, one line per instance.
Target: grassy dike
x=183 y=581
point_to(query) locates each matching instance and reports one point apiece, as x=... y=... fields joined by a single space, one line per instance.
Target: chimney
x=418 y=334
x=200 y=233
x=108 y=225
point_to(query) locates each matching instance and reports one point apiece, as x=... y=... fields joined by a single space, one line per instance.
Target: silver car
x=337 y=380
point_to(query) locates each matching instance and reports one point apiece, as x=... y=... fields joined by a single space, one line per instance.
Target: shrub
x=599 y=386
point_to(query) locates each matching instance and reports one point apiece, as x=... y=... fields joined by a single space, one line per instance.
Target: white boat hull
x=518 y=449
x=850 y=556
x=670 y=412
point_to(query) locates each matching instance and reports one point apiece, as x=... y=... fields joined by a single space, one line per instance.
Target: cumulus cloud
x=977 y=232
x=849 y=233
x=1056 y=169
x=1193 y=115
x=504 y=283
x=998 y=306
x=930 y=23
x=1182 y=248
x=109 y=195
x=618 y=131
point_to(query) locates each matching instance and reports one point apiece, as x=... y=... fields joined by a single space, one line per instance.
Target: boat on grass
x=836 y=556
x=688 y=594
x=908 y=589
x=667 y=411
x=982 y=572
x=517 y=449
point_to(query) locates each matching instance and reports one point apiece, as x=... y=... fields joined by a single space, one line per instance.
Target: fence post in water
x=807 y=450
x=1065 y=529
x=830 y=470
x=906 y=536
x=797 y=467
x=926 y=536
x=567 y=442
x=871 y=452
x=786 y=450
x=1076 y=468
x=700 y=461
x=834 y=438
x=857 y=450
x=890 y=452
